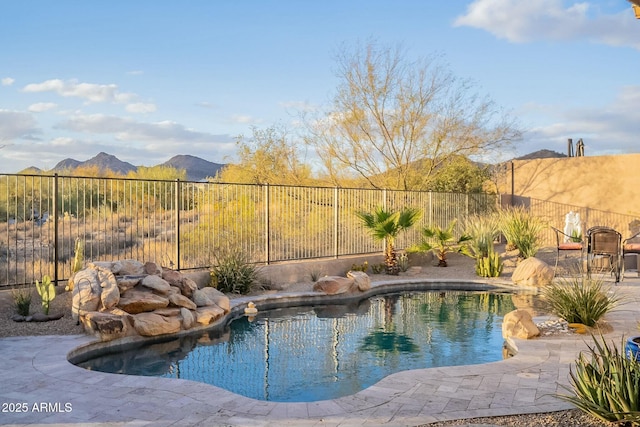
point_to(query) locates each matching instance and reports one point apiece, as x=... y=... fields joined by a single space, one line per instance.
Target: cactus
x=403 y=262
x=77 y=263
x=47 y=292
x=489 y=266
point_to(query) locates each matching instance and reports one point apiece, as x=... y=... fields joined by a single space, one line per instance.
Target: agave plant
x=386 y=225
x=606 y=384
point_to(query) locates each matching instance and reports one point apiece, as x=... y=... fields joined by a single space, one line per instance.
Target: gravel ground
x=459 y=267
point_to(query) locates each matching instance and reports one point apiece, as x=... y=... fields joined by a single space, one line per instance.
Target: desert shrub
x=360 y=267
x=233 y=273
x=378 y=268
x=606 y=384
x=22 y=300
x=522 y=230
x=483 y=230
x=315 y=274
x=579 y=299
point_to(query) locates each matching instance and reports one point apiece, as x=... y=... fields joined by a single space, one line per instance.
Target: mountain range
x=197 y=168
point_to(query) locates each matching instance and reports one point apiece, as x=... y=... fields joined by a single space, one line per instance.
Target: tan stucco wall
x=608 y=183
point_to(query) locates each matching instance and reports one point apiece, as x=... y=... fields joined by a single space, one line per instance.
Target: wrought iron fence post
x=177 y=224
x=336 y=224
x=56 y=255
x=267 y=231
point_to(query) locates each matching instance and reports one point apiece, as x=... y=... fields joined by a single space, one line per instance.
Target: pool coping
x=36 y=371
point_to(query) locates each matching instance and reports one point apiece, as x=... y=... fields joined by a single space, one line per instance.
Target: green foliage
x=362 y=267
x=47 y=292
x=22 y=300
x=386 y=225
x=378 y=268
x=315 y=274
x=522 y=229
x=489 y=266
x=483 y=230
x=233 y=273
x=403 y=262
x=580 y=299
x=606 y=384
x=443 y=241
x=459 y=175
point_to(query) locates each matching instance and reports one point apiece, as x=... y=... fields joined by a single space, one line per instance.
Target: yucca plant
x=233 y=273
x=521 y=229
x=22 y=300
x=580 y=299
x=606 y=384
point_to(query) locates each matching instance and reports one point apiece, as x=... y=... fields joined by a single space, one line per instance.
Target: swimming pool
x=303 y=354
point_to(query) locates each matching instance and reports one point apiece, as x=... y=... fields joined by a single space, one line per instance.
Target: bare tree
x=394 y=122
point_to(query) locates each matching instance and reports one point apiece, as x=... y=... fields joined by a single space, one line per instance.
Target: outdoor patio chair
x=564 y=242
x=604 y=251
x=631 y=246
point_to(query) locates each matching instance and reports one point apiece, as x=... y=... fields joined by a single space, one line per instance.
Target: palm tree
x=443 y=241
x=386 y=225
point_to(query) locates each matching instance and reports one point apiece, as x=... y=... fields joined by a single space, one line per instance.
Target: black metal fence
x=183 y=225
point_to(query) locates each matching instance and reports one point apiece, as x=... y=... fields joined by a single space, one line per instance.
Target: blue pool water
x=305 y=354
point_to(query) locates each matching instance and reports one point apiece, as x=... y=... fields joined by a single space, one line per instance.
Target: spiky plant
x=443 y=241
x=385 y=225
x=521 y=229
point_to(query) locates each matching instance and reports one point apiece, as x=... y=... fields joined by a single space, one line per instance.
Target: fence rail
x=183 y=225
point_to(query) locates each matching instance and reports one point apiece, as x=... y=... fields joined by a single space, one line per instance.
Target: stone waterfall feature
x=128 y=298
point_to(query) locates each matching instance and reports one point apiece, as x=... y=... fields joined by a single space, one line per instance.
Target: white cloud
x=15 y=124
x=91 y=92
x=141 y=107
x=41 y=107
x=135 y=72
x=125 y=129
x=607 y=129
x=524 y=21
x=243 y=119
x=7 y=81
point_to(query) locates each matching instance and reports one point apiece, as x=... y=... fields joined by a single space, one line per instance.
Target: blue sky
x=146 y=80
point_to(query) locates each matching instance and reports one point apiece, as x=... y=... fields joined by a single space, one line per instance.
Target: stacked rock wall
x=129 y=298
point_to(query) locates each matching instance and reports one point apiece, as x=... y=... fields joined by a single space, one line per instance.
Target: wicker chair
x=631 y=246
x=604 y=251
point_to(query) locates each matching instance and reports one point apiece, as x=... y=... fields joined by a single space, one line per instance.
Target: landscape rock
x=127 y=267
x=187 y=287
x=334 y=285
x=361 y=279
x=152 y=268
x=128 y=282
x=188 y=319
x=150 y=324
x=86 y=292
x=208 y=314
x=217 y=297
x=168 y=311
x=519 y=324
x=532 y=272
x=172 y=277
x=135 y=302
x=110 y=293
x=107 y=325
x=180 y=300
x=156 y=283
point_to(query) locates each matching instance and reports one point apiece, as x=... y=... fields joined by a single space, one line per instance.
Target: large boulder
x=519 y=324
x=361 y=279
x=86 y=292
x=156 y=283
x=532 y=272
x=217 y=297
x=179 y=300
x=150 y=324
x=334 y=285
x=208 y=314
x=188 y=319
x=135 y=301
x=110 y=293
x=128 y=267
x=128 y=282
x=107 y=325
